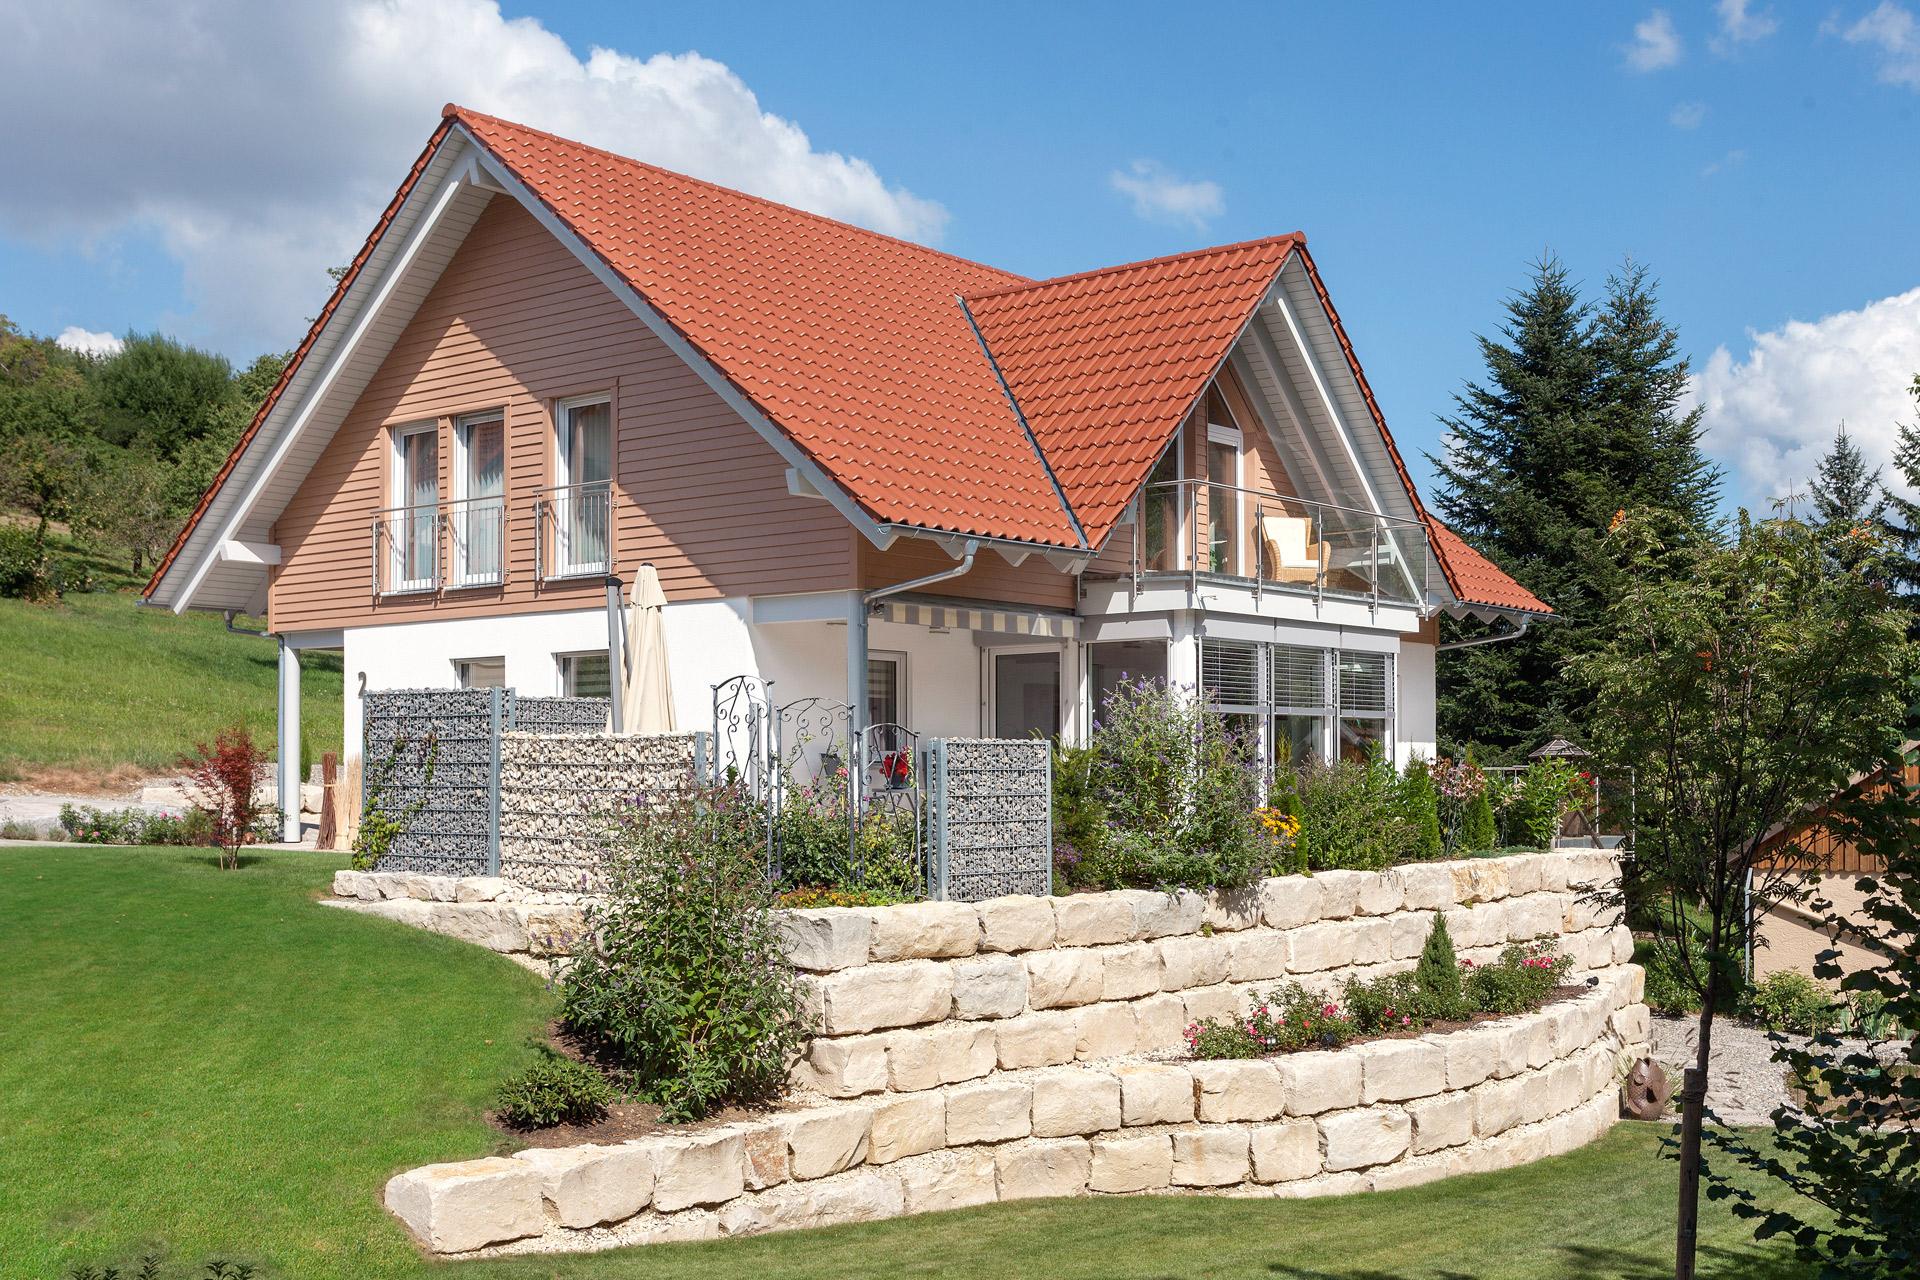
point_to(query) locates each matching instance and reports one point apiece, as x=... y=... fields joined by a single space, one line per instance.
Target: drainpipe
x=1526 y=621
x=857 y=650
x=616 y=670
x=230 y=615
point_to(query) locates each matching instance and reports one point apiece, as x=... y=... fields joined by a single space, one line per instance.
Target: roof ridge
x=454 y=111
x=1297 y=239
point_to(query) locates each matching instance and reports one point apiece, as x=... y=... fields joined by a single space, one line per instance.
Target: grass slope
x=98 y=683
x=205 y=1061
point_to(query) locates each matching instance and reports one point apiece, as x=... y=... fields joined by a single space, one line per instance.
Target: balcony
x=1220 y=533
x=440 y=546
x=573 y=531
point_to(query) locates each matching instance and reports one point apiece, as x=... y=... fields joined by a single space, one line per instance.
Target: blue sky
x=196 y=168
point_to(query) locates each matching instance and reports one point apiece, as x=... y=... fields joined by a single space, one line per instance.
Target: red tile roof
x=1476 y=579
x=1105 y=364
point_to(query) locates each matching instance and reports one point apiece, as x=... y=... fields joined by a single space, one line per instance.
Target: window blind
x=1230 y=672
x=1299 y=677
x=1366 y=683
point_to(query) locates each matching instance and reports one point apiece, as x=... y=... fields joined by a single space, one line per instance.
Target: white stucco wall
x=1416 y=697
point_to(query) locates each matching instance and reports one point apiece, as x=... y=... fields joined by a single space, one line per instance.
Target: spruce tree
x=1845 y=493
x=1900 y=520
x=1437 y=975
x=1579 y=418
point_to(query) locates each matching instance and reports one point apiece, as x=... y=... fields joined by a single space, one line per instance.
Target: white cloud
x=1687 y=115
x=257 y=143
x=1656 y=45
x=1732 y=160
x=89 y=343
x=1161 y=196
x=1893 y=31
x=1739 y=26
x=1771 y=414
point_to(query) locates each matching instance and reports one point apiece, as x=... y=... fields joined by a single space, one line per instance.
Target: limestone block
x=1340 y=892
x=1553 y=872
x=1159 y=1022
x=1131 y=1162
x=1427 y=886
x=1231 y=910
x=706 y=1169
x=948 y=1180
x=863 y=1195
x=1524 y=874
x=1339 y=944
x=1165 y=915
x=1018 y=923
x=1104 y=1031
x=1445 y=1121
x=1037 y=1039
x=992 y=986
x=554 y=930
x=874 y=996
x=1535 y=916
x=1412 y=1172
x=989 y=1111
x=1155 y=1093
x=1480 y=880
x=1074 y=1100
x=451 y=1208
x=1092 y=919
x=478 y=888
x=593 y=1184
x=828 y=1140
x=1210 y=1156
x=1286 y=1152
x=1327 y=1184
x=926 y=1057
x=693 y=1224
x=1586 y=911
x=1130 y=971
x=1259 y=957
x=826 y=940
x=1483 y=924
x=1499 y=1105
x=764 y=1153
x=1361 y=1139
x=497 y=926
x=1211 y=1002
x=908 y=1125
x=1059 y=979
x=1636 y=989
x=1472 y=1056
x=1243 y=1090
x=1409 y=936
x=346 y=884
x=924 y=931
x=1287 y=902
x=1196 y=960
x=1632 y=1024
x=1395 y=1070
x=847 y=1067
x=1319 y=1081
x=1622 y=944
x=1043 y=1167
x=1381 y=893
x=1564 y=1087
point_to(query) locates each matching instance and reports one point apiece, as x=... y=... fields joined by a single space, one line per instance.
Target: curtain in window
x=420 y=474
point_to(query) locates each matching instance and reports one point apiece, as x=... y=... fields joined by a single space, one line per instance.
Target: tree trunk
x=1693 y=1099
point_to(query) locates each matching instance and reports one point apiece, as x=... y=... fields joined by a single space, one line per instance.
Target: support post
x=856 y=697
x=496 y=717
x=616 y=669
x=288 y=727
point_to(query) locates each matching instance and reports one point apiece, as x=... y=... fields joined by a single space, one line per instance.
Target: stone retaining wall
x=1373 y=1116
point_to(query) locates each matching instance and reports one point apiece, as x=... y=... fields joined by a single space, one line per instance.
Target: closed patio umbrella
x=647 y=696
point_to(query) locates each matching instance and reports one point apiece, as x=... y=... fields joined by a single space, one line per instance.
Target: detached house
x=856 y=463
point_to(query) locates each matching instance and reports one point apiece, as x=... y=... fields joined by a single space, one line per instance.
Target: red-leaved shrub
x=220 y=781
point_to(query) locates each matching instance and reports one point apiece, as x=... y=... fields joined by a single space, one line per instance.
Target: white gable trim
x=737 y=400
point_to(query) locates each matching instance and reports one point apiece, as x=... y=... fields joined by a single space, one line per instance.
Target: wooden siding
x=1810 y=845
x=1032 y=582
x=516 y=323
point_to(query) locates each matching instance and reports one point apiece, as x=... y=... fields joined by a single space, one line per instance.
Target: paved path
x=1743 y=1085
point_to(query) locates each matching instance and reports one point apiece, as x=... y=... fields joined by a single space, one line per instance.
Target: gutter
x=1526 y=622
x=857 y=639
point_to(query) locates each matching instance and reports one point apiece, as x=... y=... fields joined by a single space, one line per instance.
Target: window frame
x=996 y=652
x=401 y=508
x=1222 y=433
x=460 y=672
x=463 y=426
x=566 y=667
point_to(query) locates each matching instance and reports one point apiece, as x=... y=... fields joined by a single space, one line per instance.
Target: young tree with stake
x=1754 y=683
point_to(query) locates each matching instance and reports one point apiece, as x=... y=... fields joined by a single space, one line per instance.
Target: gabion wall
x=449 y=833
x=558 y=794
x=992 y=817
x=558 y=715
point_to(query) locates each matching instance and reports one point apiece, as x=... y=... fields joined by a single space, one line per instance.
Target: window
x=1366 y=703
x=583 y=499
x=478 y=520
x=1301 y=706
x=585 y=675
x=1026 y=694
x=1111 y=662
x=481 y=673
x=1223 y=500
x=413 y=536
x=886 y=698
x=1161 y=507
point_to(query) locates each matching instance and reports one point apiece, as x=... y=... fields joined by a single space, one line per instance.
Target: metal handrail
x=458 y=519
x=389 y=567
x=553 y=504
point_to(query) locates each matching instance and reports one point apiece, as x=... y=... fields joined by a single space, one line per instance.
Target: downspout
x=1526 y=621
x=230 y=615
x=857 y=650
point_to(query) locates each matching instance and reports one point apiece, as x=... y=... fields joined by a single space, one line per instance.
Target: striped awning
x=1030 y=623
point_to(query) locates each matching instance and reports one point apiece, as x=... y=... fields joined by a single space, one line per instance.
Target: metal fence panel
x=992 y=817
x=440 y=742
x=560 y=793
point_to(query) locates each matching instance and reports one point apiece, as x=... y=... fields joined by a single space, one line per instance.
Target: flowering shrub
x=554 y=1090
x=1519 y=980
x=1287 y=1019
x=1535 y=803
x=1383 y=1005
x=1350 y=815
x=817 y=849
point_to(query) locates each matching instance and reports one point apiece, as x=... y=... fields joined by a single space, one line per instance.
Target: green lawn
x=203 y=1060
x=98 y=682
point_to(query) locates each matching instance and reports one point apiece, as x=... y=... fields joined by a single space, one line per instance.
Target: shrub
x=1079 y=823
x=1176 y=790
x=1477 y=830
x=1287 y=1018
x=1793 y=1002
x=1437 y=976
x=1537 y=800
x=220 y=779
x=817 y=848
x=1521 y=979
x=1420 y=809
x=85 y=824
x=554 y=1090
x=817 y=895
x=680 y=977
x=25 y=573
x=1668 y=989
x=1349 y=816
x=1390 y=1003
